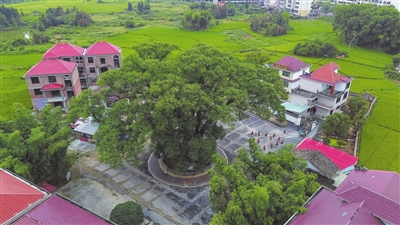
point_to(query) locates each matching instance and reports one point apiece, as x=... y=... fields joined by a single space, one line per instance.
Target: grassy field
x=379 y=148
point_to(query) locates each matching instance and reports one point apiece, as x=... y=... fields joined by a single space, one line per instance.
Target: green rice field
x=380 y=139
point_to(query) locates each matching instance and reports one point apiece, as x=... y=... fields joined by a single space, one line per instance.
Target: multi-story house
x=290 y=69
x=53 y=81
x=299 y=7
x=323 y=91
x=67 y=69
x=99 y=58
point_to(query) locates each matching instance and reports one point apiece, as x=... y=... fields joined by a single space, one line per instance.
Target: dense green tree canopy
x=369 y=25
x=127 y=213
x=270 y=24
x=357 y=104
x=196 y=20
x=177 y=104
x=316 y=48
x=36 y=148
x=259 y=188
x=9 y=17
x=337 y=124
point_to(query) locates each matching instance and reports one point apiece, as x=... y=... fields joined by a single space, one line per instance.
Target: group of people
x=271 y=138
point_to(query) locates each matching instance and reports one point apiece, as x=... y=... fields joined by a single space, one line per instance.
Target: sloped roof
x=386 y=183
x=320 y=161
x=50 y=67
x=63 y=49
x=341 y=159
x=328 y=75
x=293 y=63
x=16 y=195
x=57 y=210
x=378 y=205
x=326 y=208
x=102 y=48
x=52 y=86
x=88 y=127
x=295 y=107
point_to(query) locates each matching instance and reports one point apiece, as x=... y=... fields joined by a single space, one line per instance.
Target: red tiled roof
x=327 y=74
x=102 y=48
x=340 y=158
x=49 y=67
x=364 y=216
x=64 y=49
x=293 y=63
x=16 y=195
x=327 y=208
x=57 y=210
x=52 y=86
x=378 y=205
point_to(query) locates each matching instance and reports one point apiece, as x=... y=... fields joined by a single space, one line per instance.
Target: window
x=35 y=80
x=90 y=59
x=290 y=6
x=297 y=3
x=285 y=84
x=92 y=70
x=347 y=85
x=38 y=92
x=296 y=7
x=79 y=59
x=345 y=95
x=285 y=74
x=67 y=59
x=116 y=61
x=338 y=100
x=102 y=61
x=52 y=79
x=68 y=83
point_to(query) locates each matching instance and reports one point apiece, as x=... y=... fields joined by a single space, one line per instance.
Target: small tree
x=337 y=124
x=127 y=213
x=357 y=104
x=130 y=6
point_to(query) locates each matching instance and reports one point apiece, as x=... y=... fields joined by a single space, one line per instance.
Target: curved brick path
x=177 y=180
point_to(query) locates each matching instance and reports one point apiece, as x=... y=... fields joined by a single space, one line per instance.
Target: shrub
x=341 y=143
x=327 y=140
x=127 y=213
x=129 y=24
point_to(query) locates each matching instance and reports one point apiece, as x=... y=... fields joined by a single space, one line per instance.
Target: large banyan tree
x=174 y=106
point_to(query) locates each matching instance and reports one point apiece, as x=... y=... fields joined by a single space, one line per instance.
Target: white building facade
x=323 y=90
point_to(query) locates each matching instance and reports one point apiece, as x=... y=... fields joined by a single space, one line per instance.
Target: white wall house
x=323 y=90
x=290 y=69
x=299 y=7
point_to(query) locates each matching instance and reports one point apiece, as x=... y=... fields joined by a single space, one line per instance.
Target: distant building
x=395 y=3
x=299 y=7
x=66 y=70
x=364 y=197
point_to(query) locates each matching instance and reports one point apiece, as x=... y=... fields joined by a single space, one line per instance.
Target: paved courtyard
x=269 y=134
x=166 y=204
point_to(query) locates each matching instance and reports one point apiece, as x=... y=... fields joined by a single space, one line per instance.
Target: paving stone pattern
x=239 y=136
x=185 y=205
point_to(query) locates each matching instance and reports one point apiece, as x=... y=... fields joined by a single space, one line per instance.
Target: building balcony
x=69 y=87
x=327 y=93
x=56 y=99
x=304 y=93
x=322 y=105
